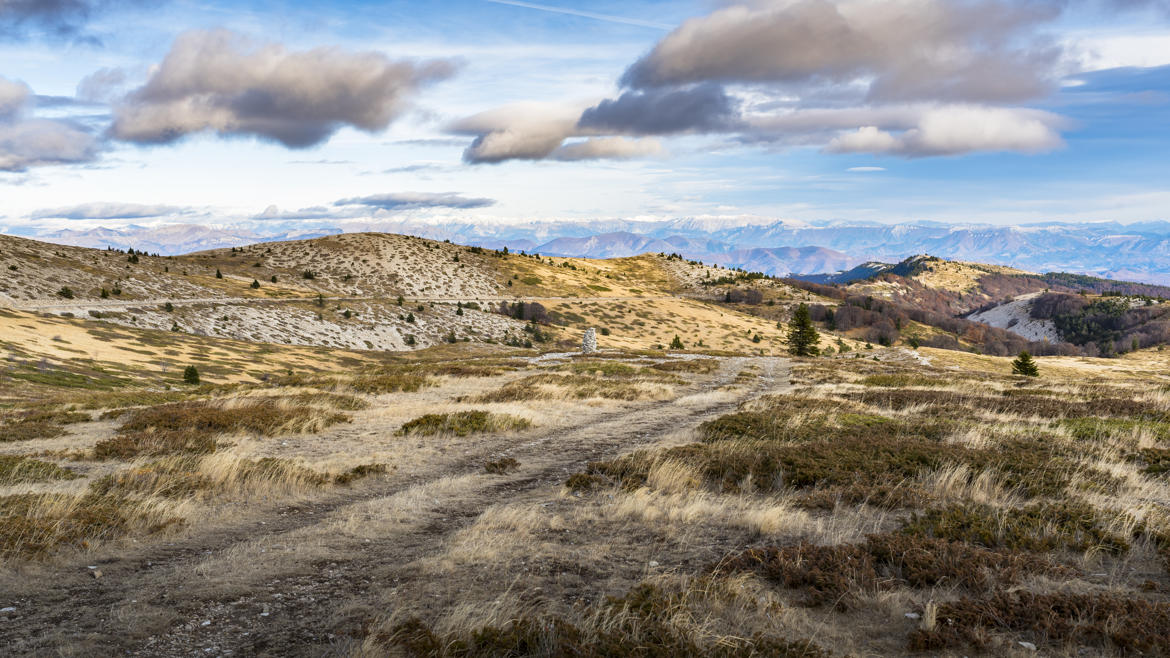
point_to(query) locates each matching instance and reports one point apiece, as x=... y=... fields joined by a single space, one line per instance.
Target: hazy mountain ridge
x=1108 y=249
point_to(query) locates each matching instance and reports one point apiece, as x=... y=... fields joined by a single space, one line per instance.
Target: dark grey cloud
x=27 y=141
x=109 y=210
x=416 y=200
x=702 y=108
x=214 y=81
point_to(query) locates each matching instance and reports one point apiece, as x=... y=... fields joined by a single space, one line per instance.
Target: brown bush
x=191 y=427
x=1109 y=621
x=822 y=574
x=639 y=626
x=837 y=575
x=1038 y=527
x=549 y=386
x=501 y=466
x=852 y=464
x=29 y=425
x=1031 y=405
x=32 y=525
x=693 y=366
x=463 y=423
x=18 y=469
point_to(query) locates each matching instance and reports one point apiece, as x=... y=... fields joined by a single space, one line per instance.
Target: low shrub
x=32 y=525
x=361 y=471
x=38 y=424
x=549 y=386
x=585 y=482
x=463 y=423
x=1043 y=526
x=18 y=469
x=638 y=624
x=192 y=427
x=902 y=381
x=839 y=575
x=694 y=366
x=1109 y=621
x=501 y=466
x=379 y=384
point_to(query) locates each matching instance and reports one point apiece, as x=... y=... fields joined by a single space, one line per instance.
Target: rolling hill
x=1139 y=252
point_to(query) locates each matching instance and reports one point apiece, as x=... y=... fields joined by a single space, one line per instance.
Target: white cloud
x=13 y=97
x=618 y=148
x=109 y=210
x=525 y=131
x=960 y=129
x=29 y=141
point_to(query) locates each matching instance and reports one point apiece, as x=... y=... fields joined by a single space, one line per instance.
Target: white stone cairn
x=589 y=342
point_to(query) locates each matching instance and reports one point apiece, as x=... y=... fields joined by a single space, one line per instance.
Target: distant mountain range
x=1139 y=252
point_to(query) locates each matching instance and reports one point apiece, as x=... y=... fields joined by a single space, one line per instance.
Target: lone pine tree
x=802 y=335
x=191 y=375
x=1025 y=365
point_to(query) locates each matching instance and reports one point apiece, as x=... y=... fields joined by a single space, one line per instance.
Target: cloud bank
x=910 y=78
x=111 y=210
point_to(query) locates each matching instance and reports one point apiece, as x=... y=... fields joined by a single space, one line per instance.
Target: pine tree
x=255 y=284
x=218 y=274
x=191 y=375
x=802 y=335
x=1025 y=365
x=677 y=343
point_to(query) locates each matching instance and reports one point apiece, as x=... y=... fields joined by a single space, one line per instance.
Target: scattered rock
x=96 y=573
x=1027 y=645
x=913 y=615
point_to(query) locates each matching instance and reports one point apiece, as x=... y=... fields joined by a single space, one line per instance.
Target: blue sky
x=238 y=113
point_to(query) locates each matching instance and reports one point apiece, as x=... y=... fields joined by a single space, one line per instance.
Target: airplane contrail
x=584 y=14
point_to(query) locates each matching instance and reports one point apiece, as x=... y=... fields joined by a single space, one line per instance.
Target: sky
x=235 y=114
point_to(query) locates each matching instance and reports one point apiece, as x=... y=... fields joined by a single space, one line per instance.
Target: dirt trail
x=301 y=579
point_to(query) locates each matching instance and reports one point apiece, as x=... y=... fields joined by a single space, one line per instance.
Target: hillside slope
x=386 y=292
